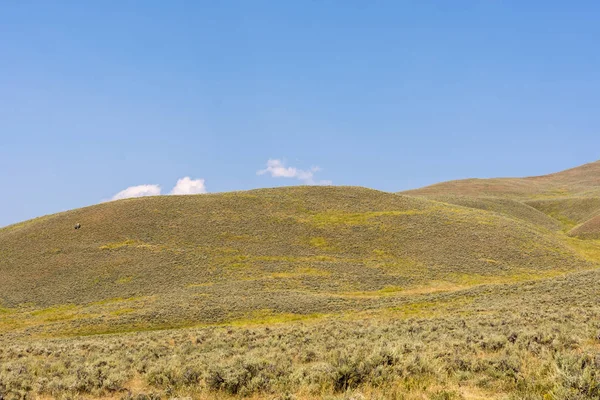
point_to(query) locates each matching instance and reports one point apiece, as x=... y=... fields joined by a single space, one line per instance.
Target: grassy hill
x=570 y=211
x=473 y=289
x=571 y=197
x=184 y=260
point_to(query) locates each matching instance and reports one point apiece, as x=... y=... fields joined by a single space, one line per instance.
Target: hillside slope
x=507 y=207
x=570 y=198
x=580 y=181
x=570 y=211
x=177 y=260
x=304 y=292
x=590 y=229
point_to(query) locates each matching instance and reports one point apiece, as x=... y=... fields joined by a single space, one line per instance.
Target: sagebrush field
x=463 y=290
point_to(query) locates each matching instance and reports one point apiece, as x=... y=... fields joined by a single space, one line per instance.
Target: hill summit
x=183 y=260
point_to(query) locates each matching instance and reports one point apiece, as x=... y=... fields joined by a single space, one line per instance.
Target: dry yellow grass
x=296 y=251
x=590 y=229
x=481 y=289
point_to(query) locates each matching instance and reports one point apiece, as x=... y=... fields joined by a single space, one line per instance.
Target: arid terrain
x=472 y=289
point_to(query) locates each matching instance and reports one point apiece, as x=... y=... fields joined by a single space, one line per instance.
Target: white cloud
x=277 y=169
x=189 y=186
x=184 y=186
x=138 y=191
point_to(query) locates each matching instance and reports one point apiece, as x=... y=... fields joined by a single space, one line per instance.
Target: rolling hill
x=470 y=289
x=184 y=260
x=571 y=197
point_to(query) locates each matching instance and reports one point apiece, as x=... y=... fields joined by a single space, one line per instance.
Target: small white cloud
x=277 y=169
x=184 y=186
x=189 y=186
x=137 y=191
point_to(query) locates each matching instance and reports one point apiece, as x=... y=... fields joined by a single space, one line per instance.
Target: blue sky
x=99 y=96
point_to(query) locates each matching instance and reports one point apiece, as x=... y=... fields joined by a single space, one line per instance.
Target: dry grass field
x=465 y=290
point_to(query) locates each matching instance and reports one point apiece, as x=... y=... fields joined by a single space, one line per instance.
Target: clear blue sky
x=98 y=96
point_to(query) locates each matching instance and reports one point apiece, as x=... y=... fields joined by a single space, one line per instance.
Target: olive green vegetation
x=310 y=292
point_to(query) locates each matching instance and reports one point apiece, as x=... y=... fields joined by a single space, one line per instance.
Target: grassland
x=310 y=292
x=302 y=250
x=528 y=340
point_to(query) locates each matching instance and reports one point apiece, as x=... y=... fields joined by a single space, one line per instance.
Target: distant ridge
x=579 y=181
x=571 y=198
